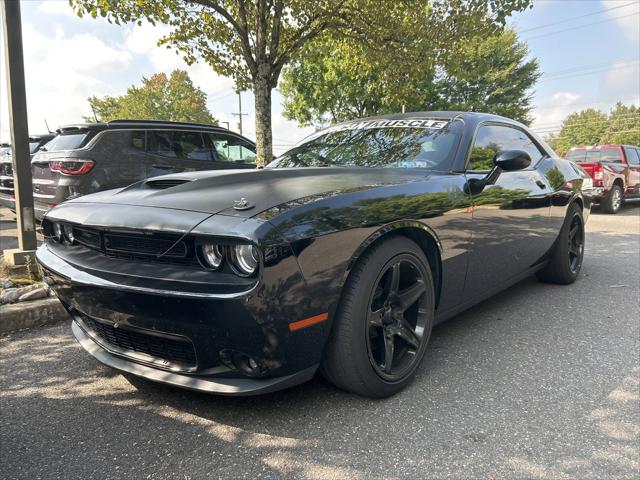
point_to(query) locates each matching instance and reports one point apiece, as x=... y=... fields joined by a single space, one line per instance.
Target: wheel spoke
x=375 y=318
x=406 y=333
x=389 y=351
x=573 y=231
x=410 y=295
x=394 y=282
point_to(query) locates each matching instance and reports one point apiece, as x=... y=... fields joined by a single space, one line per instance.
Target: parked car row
x=615 y=170
x=87 y=158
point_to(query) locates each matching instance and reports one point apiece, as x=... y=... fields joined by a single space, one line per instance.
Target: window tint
x=491 y=139
x=232 y=149
x=632 y=156
x=377 y=144
x=604 y=155
x=183 y=145
x=576 y=155
x=66 y=141
x=138 y=139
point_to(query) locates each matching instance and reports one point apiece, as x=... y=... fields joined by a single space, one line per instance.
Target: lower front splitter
x=220 y=386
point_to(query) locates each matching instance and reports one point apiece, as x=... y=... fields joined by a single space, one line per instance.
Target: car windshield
x=405 y=143
x=66 y=141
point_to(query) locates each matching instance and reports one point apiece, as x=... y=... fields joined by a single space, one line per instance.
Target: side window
x=232 y=149
x=138 y=139
x=613 y=155
x=176 y=144
x=491 y=139
x=632 y=156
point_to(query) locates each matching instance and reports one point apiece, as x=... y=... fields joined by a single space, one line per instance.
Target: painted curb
x=18 y=316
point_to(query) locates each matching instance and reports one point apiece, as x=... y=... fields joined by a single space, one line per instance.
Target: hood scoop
x=162 y=184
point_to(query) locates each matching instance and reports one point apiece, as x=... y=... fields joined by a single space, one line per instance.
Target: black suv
x=6 y=167
x=87 y=158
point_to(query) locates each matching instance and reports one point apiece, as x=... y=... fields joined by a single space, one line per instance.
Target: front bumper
x=220 y=386
x=222 y=329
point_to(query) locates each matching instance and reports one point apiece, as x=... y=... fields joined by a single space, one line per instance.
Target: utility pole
x=14 y=65
x=240 y=114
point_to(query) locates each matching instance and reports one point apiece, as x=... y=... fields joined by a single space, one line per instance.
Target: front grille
x=161 y=248
x=86 y=237
x=165 y=351
x=138 y=245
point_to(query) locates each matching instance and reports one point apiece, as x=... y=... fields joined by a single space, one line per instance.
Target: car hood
x=216 y=192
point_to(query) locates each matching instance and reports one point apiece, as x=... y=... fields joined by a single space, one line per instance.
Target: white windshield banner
x=403 y=123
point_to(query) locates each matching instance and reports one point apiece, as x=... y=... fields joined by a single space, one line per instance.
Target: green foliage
x=173 y=98
x=593 y=127
x=624 y=125
x=481 y=158
x=483 y=70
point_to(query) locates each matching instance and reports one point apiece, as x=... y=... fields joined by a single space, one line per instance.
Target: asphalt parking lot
x=541 y=382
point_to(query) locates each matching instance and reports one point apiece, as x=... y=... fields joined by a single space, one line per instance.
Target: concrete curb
x=19 y=316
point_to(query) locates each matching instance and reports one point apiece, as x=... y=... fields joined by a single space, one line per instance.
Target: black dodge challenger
x=339 y=256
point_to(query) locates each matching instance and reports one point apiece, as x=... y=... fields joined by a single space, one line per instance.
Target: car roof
x=144 y=124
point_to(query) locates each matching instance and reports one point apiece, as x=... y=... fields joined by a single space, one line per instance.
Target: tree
x=593 y=127
x=586 y=127
x=624 y=125
x=251 y=41
x=173 y=98
x=489 y=75
x=337 y=79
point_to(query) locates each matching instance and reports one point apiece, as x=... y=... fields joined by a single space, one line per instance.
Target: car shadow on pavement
x=501 y=393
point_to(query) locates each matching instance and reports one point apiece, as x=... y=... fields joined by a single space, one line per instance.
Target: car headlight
x=56 y=230
x=212 y=255
x=245 y=259
x=68 y=233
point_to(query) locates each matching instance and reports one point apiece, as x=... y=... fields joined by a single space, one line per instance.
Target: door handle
x=541 y=184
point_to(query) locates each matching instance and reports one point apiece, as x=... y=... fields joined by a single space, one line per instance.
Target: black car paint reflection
x=311 y=225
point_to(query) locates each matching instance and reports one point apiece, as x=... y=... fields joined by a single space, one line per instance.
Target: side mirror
x=511 y=160
x=505 y=160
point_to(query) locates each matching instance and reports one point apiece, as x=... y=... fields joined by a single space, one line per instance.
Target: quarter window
x=176 y=144
x=492 y=139
x=232 y=149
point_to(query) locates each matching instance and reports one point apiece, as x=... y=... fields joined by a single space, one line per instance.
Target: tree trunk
x=264 y=138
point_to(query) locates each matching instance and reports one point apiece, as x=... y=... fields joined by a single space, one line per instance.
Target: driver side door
x=511 y=227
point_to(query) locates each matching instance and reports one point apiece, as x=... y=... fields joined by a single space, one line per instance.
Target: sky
x=589 y=53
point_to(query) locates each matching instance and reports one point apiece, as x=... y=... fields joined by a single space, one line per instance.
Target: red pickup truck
x=615 y=170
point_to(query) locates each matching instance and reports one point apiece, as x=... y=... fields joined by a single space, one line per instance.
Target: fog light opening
x=248 y=365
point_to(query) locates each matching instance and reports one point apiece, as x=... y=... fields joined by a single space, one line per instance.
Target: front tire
x=566 y=257
x=383 y=322
x=613 y=201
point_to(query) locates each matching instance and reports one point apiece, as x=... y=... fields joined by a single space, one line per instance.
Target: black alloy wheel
x=565 y=258
x=397 y=318
x=383 y=322
x=576 y=244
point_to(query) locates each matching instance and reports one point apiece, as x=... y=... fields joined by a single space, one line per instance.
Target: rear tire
x=566 y=257
x=613 y=201
x=383 y=322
